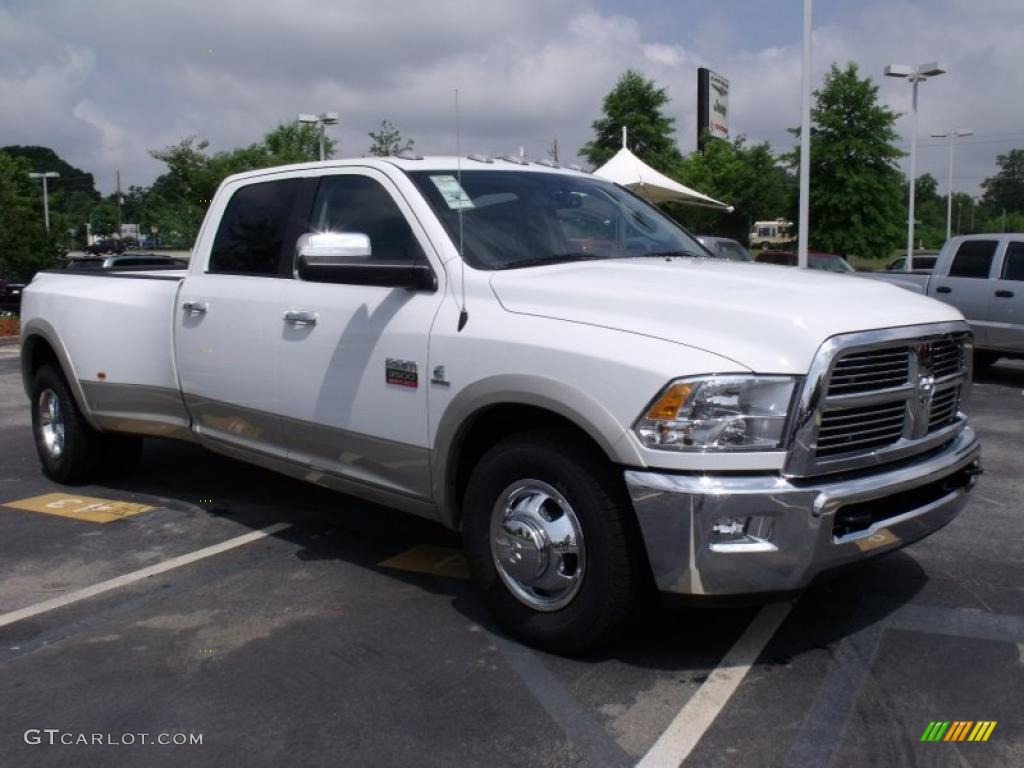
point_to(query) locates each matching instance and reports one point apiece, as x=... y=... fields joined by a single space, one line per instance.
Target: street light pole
x=320 y=121
x=46 y=193
x=951 y=135
x=915 y=75
x=805 y=141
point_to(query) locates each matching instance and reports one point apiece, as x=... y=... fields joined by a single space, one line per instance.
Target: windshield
x=514 y=219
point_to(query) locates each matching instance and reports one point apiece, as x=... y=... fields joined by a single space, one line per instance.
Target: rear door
x=354 y=373
x=228 y=320
x=967 y=285
x=1006 y=316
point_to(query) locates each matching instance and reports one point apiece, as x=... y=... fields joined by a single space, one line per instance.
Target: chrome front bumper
x=784 y=532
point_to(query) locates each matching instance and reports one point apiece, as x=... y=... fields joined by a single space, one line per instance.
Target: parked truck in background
x=530 y=355
x=983 y=277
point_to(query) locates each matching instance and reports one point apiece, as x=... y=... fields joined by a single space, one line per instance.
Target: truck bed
x=115 y=328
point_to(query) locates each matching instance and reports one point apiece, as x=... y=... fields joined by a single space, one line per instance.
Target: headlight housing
x=718 y=413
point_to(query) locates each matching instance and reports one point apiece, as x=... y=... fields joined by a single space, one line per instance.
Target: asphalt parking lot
x=337 y=632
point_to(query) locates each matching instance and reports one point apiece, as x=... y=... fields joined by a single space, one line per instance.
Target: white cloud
x=104 y=85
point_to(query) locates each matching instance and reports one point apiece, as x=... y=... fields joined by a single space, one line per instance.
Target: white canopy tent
x=630 y=171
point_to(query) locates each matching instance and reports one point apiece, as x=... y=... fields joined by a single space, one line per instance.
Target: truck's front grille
x=869 y=371
x=880 y=396
x=944 y=408
x=859 y=429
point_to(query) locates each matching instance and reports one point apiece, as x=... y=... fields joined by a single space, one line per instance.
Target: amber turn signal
x=666 y=407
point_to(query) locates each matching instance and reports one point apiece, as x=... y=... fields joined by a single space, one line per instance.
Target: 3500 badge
x=404 y=373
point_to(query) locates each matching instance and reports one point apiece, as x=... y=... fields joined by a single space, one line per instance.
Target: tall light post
x=803 y=222
x=915 y=75
x=321 y=120
x=952 y=136
x=46 y=193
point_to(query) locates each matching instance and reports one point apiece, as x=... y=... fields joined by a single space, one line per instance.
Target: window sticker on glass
x=452 y=192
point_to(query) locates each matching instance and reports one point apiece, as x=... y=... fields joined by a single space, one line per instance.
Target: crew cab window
x=354 y=203
x=973 y=259
x=1013 y=262
x=253 y=227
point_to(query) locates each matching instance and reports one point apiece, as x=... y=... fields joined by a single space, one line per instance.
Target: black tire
x=612 y=585
x=81 y=446
x=983 y=359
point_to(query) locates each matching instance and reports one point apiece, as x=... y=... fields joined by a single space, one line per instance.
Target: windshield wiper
x=559 y=258
x=675 y=253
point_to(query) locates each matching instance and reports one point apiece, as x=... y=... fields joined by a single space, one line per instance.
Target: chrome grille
x=848 y=429
x=944 y=408
x=870 y=370
x=880 y=396
x=947 y=357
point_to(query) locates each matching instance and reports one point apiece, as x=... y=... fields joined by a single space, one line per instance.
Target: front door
x=353 y=359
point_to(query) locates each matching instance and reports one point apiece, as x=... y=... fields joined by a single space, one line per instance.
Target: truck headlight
x=720 y=413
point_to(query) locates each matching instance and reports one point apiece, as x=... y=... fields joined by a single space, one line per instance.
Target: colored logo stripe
x=958 y=730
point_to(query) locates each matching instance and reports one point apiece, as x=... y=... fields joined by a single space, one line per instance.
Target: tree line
x=858 y=200
x=857 y=206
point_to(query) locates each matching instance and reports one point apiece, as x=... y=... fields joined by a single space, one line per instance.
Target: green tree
x=929 y=211
x=747 y=177
x=25 y=246
x=388 y=142
x=638 y=104
x=856 y=205
x=72 y=195
x=296 y=143
x=1005 y=190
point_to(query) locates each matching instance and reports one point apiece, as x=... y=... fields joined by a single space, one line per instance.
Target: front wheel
x=551 y=542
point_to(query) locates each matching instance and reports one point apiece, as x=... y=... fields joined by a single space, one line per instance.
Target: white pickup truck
x=535 y=357
x=983 y=277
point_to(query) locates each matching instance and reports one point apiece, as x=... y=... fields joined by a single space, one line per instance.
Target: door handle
x=195 y=307
x=943 y=289
x=300 y=317
x=1004 y=294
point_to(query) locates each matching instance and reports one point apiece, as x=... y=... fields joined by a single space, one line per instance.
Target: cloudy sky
x=104 y=81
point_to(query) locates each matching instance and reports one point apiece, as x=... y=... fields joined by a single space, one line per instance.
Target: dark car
x=106 y=246
x=10 y=294
x=829 y=262
x=725 y=247
x=922 y=263
x=126 y=260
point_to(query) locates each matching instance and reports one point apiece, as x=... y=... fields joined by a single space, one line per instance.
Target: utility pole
x=46 y=193
x=120 y=201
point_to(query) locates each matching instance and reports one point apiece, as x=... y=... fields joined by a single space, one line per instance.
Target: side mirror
x=344 y=257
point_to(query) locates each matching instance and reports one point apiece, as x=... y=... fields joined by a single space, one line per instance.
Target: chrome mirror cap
x=322 y=248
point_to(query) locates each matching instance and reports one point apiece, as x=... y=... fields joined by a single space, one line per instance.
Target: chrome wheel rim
x=537 y=545
x=51 y=423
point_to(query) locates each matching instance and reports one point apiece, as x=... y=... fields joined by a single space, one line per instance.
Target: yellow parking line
x=436 y=561
x=86 y=508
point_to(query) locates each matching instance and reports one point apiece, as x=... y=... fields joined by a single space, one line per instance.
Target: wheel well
x=491 y=424
x=36 y=353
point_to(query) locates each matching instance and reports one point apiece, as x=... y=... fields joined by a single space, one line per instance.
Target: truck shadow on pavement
x=327 y=526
